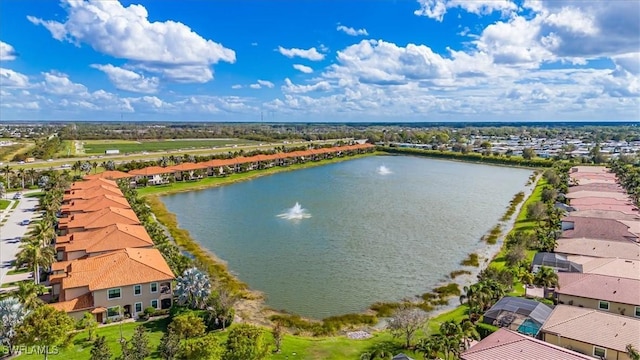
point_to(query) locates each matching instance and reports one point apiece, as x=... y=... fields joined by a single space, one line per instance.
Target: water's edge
x=254 y=305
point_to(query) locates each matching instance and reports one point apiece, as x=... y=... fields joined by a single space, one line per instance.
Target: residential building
x=97 y=219
x=507 y=344
x=618 y=295
x=92 y=192
x=122 y=282
x=597 y=228
x=97 y=203
x=109 y=174
x=596 y=333
x=101 y=240
x=598 y=248
x=93 y=182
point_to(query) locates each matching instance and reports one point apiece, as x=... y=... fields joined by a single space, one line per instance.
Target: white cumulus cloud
x=436 y=9
x=7 y=53
x=290 y=87
x=10 y=78
x=128 y=80
x=170 y=48
x=351 y=31
x=303 y=68
x=262 y=83
x=309 y=54
x=266 y=83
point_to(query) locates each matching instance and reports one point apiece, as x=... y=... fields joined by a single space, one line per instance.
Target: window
x=113 y=294
x=599 y=352
x=637 y=311
x=138 y=307
x=137 y=290
x=113 y=311
x=154 y=287
x=154 y=304
x=603 y=305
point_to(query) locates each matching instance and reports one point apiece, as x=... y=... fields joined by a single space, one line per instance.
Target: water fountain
x=383 y=170
x=295 y=213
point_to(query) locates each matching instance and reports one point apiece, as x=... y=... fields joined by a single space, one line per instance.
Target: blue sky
x=306 y=60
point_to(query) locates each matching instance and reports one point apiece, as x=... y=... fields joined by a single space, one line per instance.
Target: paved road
x=11 y=231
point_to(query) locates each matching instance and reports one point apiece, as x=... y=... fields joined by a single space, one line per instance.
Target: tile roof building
x=607 y=293
x=507 y=344
x=598 y=248
x=132 y=278
x=592 y=332
x=97 y=219
x=604 y=229
x=100 y=240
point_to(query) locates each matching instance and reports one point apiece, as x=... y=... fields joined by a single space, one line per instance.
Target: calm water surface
x=380 y=228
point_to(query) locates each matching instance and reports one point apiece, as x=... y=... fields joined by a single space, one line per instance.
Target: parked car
x=25 y=222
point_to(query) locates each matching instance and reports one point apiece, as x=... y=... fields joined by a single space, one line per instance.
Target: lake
x=379 y=228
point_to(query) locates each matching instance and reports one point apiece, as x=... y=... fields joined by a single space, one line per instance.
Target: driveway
x=11 y=231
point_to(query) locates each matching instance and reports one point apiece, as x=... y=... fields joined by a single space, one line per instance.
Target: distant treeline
x=473 y=157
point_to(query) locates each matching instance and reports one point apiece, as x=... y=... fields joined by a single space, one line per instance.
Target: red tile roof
x=598 y=248
x=92 y=182
x=95 y=204
x=151 y=170
x=600 y=287
x=92 y=192
x=594 y=327
x=109 y=238
x=119 y=268
x=81 y=303
x=98 y=219
x=597 y=228
x=109 y=174
x=506 y=344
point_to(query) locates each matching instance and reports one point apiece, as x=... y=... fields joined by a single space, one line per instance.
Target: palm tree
x=193 y=288
x=32 y=175
x=12 y=313
x=28 y=293
x=469 y=332
x=632 y=352
x=21 y=173
x=43 y=232
x=35 y=256
x=453 y=338
x=431 y=346
x=546 y=278
x=7 y=171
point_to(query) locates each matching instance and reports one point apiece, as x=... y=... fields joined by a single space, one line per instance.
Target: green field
x=100 y=146
x=293 y=347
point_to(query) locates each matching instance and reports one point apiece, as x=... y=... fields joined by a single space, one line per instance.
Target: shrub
x=471 y=260
x=385 y=309
x=454 y=274
x=150 y=311
x=485 y=329
x=444 y=291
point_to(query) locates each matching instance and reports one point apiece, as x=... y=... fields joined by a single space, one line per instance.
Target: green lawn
x=4 y=204
x=80 y=348
x=100 y=146
x=293 y=347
